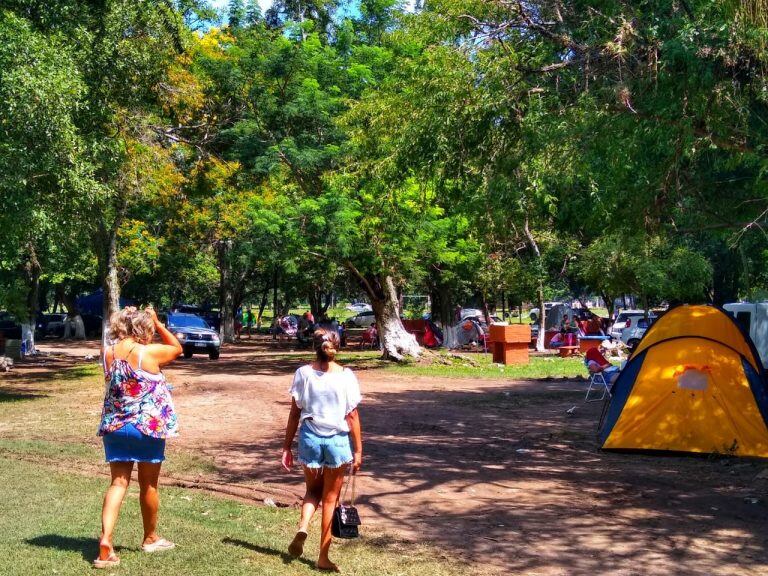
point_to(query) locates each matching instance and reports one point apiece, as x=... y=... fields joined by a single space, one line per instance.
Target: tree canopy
x=473 y=150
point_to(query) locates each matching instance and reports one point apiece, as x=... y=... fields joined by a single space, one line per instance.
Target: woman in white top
x=324 y=404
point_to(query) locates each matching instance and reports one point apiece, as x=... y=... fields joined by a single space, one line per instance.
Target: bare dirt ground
x=495 y=473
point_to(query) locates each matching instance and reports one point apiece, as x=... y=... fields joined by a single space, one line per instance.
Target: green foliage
x=471 y=149
x=40 y=94
x=236 y=14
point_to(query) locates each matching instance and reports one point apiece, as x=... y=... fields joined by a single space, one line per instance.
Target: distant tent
x=556 y=316
x=694 y=383
x=94 y=303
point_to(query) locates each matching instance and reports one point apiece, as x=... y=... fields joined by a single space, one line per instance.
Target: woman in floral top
x=136 y=419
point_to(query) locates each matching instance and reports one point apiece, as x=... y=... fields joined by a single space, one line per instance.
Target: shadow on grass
x=286 y=558
x=18 y=396
x=87 y=547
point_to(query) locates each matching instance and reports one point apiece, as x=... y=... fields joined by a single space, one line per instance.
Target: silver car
x=363 y=320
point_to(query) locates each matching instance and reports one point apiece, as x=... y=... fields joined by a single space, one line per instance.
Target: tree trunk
x=442 y=306
x=326 y=304
x=503 y=307
x=609 y=304
x=226 y=293
x=540 y=347
x=486 y=311
x=110 y=281
x=73 y=325
x=540 y=341
x=32 y=271
x=396 y=342
x=319 y=302
x=645 y=307
x=275 y=313
x=262 y=306
x=315 y=303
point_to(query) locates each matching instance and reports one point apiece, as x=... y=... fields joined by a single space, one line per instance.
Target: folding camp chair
x=597 y=382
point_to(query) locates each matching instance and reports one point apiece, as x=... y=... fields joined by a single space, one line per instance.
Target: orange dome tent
x=695 y=383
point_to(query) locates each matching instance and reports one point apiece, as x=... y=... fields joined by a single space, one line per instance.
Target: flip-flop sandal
x=296 y=547
x=160 y=545
x=112 y=561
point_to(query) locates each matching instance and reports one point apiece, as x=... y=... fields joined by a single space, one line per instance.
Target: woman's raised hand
x=152 y=314
x=287 y=460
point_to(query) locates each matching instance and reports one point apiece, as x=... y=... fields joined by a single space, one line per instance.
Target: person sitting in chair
x=594 y=327
x=596 y=363
x=557 y=340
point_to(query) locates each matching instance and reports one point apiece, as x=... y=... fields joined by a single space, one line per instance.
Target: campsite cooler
x=510 y=343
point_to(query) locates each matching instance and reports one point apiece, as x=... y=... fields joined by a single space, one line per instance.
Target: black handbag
x=345 y=518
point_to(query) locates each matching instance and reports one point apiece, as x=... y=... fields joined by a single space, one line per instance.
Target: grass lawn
x=50 y=514
x=481 y=366
x=57 y=418
x=466 y=365
x=50 y=522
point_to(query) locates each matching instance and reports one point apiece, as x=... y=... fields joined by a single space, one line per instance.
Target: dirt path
x=495 y=472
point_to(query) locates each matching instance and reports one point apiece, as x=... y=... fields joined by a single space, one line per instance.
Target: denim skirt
x=129 y=444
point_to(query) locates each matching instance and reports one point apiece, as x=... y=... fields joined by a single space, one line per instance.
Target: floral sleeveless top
x=136 y=397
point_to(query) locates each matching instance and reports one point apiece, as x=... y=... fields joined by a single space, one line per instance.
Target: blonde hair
x=132 y=323
x=326 y=343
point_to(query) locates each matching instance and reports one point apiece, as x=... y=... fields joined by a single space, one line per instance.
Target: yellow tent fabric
x=690 y=393
x=704 y=321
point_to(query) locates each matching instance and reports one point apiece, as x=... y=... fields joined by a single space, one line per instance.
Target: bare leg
x=113 y=499
x=314 y=481
x=149 y=499
x=334 y=479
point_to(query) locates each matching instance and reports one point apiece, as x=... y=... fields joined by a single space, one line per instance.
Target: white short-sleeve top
x=325 y=398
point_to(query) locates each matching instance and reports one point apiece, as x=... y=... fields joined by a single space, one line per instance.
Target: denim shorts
x=323 y=451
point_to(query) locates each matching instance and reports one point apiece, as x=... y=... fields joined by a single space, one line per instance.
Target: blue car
x=195 y=334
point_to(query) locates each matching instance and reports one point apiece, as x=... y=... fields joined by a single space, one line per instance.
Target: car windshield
x=187 y=322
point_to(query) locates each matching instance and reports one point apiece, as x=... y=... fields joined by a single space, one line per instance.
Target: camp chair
x=597 y=382
x=369 y=338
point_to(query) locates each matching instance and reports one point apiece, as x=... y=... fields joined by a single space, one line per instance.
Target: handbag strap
x=350 y=480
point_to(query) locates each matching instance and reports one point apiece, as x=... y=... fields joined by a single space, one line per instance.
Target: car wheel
x=213 y=355
x=632 y=344
x=187 y=353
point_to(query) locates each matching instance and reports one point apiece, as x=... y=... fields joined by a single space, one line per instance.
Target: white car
x=636 y=327
x=623 y=321
x=358 y=307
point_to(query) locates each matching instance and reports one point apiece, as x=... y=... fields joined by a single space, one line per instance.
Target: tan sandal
x=112 y=561
x=296 y=547
x=159 y=545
